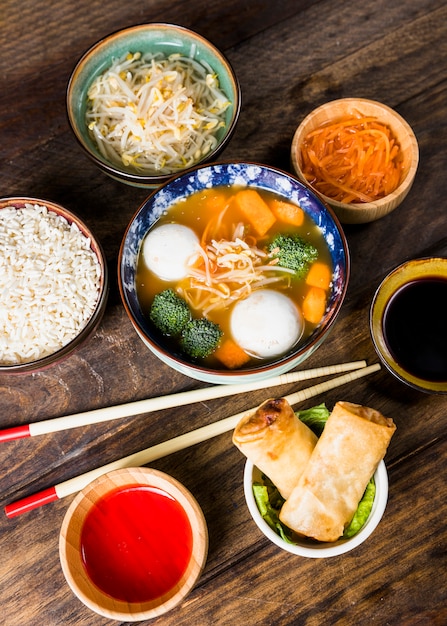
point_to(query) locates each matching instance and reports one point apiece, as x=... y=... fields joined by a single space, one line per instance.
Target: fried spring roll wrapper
x=277 y=442
x=353 y=443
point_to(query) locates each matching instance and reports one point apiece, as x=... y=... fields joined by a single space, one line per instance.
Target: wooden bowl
x=358 y=213
x=118 y=549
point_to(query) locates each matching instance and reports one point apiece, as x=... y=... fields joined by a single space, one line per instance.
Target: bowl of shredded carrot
x=360 y=155
x=150 y=101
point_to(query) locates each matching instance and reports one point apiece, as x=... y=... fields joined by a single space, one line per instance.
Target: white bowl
x=318 y=550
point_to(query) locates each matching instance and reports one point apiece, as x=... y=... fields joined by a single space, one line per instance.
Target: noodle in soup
x=221 y=251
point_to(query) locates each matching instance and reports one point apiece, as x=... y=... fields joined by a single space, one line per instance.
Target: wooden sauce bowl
x=127 y=555
x=358 y=213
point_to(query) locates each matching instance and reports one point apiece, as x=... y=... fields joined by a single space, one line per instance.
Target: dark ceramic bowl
x=154 y=38
x=30 y=291
x=215 y=175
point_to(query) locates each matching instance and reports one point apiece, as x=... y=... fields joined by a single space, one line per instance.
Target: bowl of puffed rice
x=53 y=281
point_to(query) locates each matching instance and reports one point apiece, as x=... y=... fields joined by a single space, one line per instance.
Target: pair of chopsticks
x=355 y=370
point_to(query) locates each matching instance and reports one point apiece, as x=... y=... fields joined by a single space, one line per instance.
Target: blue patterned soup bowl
x=233 y=272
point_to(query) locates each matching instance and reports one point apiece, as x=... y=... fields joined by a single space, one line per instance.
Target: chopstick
x=160 y=450
x=164 y=402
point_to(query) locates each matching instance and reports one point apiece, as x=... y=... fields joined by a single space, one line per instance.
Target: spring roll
x=277 y=442
x=353 y=443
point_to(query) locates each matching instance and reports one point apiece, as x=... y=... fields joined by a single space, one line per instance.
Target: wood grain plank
x=288 y=60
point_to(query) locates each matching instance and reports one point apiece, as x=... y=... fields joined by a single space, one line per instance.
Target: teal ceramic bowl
x=166 y=39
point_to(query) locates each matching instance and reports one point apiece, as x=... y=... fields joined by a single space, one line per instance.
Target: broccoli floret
x=200 y=338
x=169 y=312
x=293 y=253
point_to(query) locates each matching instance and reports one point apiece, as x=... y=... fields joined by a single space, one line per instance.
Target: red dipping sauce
x=136 y=543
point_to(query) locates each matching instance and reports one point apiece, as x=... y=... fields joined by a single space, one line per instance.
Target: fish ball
x=169 y=249
x=266 y=324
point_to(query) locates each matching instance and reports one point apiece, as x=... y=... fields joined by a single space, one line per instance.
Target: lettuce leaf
x=268 y=511
x=315 y=417
x=363 y=511
x=269 y=501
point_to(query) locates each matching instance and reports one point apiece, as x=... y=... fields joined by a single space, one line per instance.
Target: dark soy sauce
x=415 y=328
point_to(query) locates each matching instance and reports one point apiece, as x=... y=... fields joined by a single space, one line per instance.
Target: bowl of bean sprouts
x=148 y=102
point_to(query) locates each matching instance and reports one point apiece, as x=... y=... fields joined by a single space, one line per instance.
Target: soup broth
x=216 y=218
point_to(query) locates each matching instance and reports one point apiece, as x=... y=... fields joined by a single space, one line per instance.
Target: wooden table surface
x=290 y=56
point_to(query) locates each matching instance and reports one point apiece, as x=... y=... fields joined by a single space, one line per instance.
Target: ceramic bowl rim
x=324 y=550
x=278 y=366
x=394 y=280
x=113 y=170
x=97 y=315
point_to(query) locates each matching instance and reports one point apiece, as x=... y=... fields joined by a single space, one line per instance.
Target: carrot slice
x=354 y=159
x=287 y=212
x=319 y=275
x=314 y=305
x=255 y=210
x=231 y=354
x=215 y=201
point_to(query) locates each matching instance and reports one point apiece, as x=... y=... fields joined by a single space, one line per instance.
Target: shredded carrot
x=287 y=212
x=255 y=210
x=319 y=275
x=354 y=159
x=314 y=305
x=231 y=354
x=213 y=226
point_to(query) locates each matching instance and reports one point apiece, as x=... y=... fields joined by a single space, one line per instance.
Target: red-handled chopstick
x=181 y=442
x=32 y=502
x=163 y=402
x=17 y=432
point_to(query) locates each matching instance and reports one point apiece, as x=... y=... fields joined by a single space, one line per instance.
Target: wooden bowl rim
x=70 y=555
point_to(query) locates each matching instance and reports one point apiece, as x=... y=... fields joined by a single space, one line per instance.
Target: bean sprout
x=229 y=270
x=154 y=114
